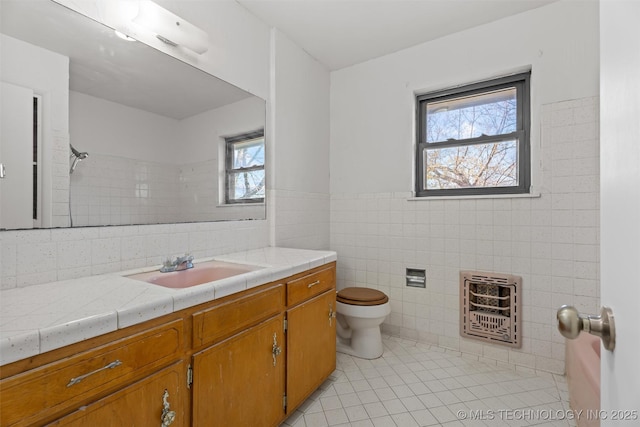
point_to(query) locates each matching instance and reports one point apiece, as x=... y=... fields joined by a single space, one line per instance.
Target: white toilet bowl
x=360 y=312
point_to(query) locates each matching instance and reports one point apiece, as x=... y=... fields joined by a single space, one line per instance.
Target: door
x=16 y=156
x=620 y=206
x=311 y=346
x=240 y=381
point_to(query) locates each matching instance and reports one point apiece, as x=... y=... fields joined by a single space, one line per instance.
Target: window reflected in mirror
x=244 y=169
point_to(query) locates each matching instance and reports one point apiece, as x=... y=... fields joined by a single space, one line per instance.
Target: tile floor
x=415 y=384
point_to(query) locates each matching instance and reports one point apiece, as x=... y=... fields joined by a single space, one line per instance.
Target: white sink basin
x=204 y=272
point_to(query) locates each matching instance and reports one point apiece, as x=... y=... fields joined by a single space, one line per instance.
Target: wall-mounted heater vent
x=490 y=307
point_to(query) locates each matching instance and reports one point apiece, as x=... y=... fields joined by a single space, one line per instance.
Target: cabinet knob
x=275 y=350
x=168 y=416
x=332 y=314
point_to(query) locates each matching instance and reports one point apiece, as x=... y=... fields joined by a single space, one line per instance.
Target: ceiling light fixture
x=170 y=28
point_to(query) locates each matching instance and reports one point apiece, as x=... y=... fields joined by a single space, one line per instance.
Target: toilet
x=360 y=312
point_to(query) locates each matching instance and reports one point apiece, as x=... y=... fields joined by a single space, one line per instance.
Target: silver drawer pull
x=111 y=365
x=317 y=282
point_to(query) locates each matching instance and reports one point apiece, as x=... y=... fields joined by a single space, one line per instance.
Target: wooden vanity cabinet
x=248 y=359
x=311 y=333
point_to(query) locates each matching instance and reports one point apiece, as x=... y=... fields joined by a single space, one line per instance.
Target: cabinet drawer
x=53 y=388
x=224 y=320
x=311 y=285
x=139 y=405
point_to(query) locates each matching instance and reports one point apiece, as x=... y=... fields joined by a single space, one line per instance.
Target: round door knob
x=569 y=322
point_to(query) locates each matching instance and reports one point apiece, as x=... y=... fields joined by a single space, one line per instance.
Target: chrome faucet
x=180 y=263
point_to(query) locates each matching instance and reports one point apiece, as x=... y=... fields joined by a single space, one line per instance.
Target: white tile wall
x=118 y=191
x=198 y=189
x=60 y=181
x=38 y=256
x=551 y=241
x=114 y=190
x=301 y=219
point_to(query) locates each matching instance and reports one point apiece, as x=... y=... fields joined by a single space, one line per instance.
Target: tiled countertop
x=40 y=318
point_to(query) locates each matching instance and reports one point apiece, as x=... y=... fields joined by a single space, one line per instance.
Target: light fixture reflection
x=170 y=28
x=123 y=36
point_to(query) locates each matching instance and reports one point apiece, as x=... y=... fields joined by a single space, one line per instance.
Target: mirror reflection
x=98 y=130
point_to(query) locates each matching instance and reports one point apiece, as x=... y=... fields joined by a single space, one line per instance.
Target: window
x=474 y=139
x=244 y=172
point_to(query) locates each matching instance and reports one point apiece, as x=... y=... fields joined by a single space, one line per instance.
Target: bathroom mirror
x=98 y=130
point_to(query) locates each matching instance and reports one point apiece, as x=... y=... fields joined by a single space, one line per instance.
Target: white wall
x=299 y=148
x=203 y=134
x=100 y=126
x=372 y=104
x=551 y=241
x=302 y=119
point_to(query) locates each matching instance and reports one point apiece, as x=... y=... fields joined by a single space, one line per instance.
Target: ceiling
x=341 y=33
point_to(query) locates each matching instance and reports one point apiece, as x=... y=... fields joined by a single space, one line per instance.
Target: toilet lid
x=361 y=296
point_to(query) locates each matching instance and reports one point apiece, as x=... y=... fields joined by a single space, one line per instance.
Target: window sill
x=235 y=205
x=479 y=196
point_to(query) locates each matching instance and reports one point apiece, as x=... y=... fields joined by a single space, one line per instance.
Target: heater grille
x=490 y=307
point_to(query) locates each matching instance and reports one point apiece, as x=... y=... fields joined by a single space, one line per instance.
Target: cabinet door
x=240 y=381
x=141 y=404
x=311 y=346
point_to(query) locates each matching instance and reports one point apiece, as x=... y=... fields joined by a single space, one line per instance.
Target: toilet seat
x=361 y=296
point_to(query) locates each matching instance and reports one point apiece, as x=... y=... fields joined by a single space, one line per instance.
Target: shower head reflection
x=77 y=157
